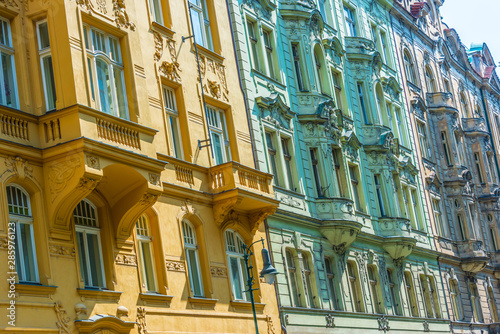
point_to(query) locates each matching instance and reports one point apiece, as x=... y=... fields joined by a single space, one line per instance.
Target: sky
x=476 y=21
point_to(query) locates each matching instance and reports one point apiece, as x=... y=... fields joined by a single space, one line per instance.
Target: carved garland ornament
x=63 y=320
x=220 y=272
x=121 y=16
x=175 y=266
x=141 y=320
x=126 y=259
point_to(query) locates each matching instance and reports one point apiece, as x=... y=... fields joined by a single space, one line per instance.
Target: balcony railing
x=233 y=175
x=14 y=127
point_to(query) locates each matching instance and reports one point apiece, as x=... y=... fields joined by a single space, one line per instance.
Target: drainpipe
x=249 y=114
x=489 y=129
x=442 y=287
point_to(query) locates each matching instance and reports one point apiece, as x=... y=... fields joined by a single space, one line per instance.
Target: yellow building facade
x=115 y=214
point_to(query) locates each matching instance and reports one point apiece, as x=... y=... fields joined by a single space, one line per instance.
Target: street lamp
x=268 y=273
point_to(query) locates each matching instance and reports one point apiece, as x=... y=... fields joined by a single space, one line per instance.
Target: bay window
x=106 y=72
x=21 y=219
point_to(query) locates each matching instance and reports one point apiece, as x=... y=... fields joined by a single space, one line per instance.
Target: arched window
x=476 y=302
x=393 y=292
x=430 y=296
x=192 y=258
x=145 y=252
x=88 y=238
x=318 y=61
x=429 y=80
x=292 y=276
x=464 y=105
x=355 y=287
x=237 y=269
x=456 y=301
x=410 y=69
x=21 y=220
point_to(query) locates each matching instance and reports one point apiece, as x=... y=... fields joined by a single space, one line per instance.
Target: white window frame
x=113 y=60
x=350 y=21
x=284 y=176
x=192 y=246
x=7 y=49
x=172 y=117
x=146 y=238
x=156 y=16
x=44 y=53
x=238 y=254
x=199 y=9
x=330 y=281
x=85 y=230
x=217 y=125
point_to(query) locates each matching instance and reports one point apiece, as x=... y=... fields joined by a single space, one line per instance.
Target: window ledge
x=156 y=298
x=162 y=29
x=96 y=294
x=209 y=53
x=245 y=305
x=33 y=289
x=203 y=302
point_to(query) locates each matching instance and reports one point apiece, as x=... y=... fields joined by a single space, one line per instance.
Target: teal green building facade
x=329 y=120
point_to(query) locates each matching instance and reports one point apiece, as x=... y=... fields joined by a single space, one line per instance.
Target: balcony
x=377 y=137
x=475 y=126
x=398 y=239
x=360 y=48
x=441 y=102
x=473 y=254
x=340 y=225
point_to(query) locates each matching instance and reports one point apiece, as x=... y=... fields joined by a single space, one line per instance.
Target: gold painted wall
x=124 y=165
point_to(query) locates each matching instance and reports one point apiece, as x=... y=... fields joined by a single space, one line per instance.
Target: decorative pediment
x=388 y=141
x=418 y=106
x=335 y=46
x=407 y=169
x=391 y=86
x=274 y=110
x=268 y=4
x=316 y=23
x=350 y=144
x=101 y=323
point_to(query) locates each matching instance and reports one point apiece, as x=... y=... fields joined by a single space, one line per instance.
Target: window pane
x=50 y=89
x=120 y=92
x=104 y=86
x=83 y=258
x=148 y=270
x=176 y=138
x=197 y=30
x=8 y=80
x=217 y=147
x=43 y=33
x=28 y=252
x=236 y=278
x=94 y=260
x=194 y=273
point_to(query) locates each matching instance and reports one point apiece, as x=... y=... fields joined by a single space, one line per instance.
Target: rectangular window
x=337 y=84
x=44 y=52
x=385 y=52
x=476 y=303
x=145 y=254
x=106 y=72
x=8 y=90
x=316 y=172
x=201 y=23
x=354 y=287
x=455 y=300
x=287 y=157
x=254 y=45
x=446 y=149
x=308 y=280
x=172 y=115
x=298 y=66
x=427 y=296
x=399 y=126
x=461 y=228
x=339 y=173
x=362 y=103
x=424 y=142
x=89 y=250
x=193 y=262
x=26 y=266
x=494 y=245
x=447 y=86
x=491 y=169
x=350 y=22
x=330 y=277
x=268 y=45
x=416 y=209
x=375 y=290
x=218 y=135
x=380 y=195
x=292 y=272
x=410 y=294
x=271 y=152
x=156 y=13
x=479 y=170
x=353 y=173
x=392 y=291
x=438 y=217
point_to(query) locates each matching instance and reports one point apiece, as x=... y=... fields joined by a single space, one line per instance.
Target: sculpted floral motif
x=86 y=184
x=214 y=88
x=141 y=320
x=18 y=166
x=59 y=250
x=171 y=70
x=154 y=179
x=93 y=162
x=126 y=259
x=158 y=46
x=270 y=325
x=330 y=321
x=60 y=173
x=383 y=324
x=218 y=272
x=175 y=266
x=101 y=6
x=121 y=16
x=63 y=320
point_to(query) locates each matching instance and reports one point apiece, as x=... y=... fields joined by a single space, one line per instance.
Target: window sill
x=242 y=305
x=156 y=298
x=206 y=303
x=96 y=294
x=155 y=26
x=209 y=53
x=34 y=289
